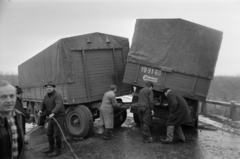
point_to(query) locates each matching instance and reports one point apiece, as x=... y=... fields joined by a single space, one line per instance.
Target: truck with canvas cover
x=82 y=68
x=175 y=54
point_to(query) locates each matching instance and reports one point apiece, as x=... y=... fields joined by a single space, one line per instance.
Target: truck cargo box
x=173 y=53
x=82 y=67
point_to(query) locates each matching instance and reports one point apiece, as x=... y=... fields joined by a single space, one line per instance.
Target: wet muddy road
x=206 y=142
x=215 y=138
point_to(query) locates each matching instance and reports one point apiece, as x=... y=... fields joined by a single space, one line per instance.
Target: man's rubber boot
x=55 y=153
x=58 y=142
x=111 y=133
x=107 y=134
x=51 y=145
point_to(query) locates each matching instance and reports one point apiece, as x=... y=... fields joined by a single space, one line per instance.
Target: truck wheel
x=79 y=121
x=136 y=118
x=120 y=116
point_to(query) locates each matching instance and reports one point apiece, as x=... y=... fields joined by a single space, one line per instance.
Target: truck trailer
x=83 y=68
x=175 y=54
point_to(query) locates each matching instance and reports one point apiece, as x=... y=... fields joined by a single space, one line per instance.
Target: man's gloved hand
x=31 y=115
x=51 y=115
x=40 y=112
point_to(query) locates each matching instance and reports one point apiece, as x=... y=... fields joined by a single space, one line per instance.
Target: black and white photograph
x=119 y=79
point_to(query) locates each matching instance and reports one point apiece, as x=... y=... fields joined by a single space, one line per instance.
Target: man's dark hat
x=50 y=83
x=19 y=90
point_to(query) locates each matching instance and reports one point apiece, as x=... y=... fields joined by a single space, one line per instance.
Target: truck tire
x=79 y=121
x=136 y=118
x=120 y=116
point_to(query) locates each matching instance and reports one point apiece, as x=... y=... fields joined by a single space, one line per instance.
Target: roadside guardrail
x=232 y=105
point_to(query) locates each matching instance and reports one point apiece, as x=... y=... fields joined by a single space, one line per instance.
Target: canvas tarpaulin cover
x=55 y=62
x=183 y=46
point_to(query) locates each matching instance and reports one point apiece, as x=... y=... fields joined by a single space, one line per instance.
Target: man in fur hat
x=53 y=107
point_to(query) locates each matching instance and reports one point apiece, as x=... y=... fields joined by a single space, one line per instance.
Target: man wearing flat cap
x=179 y=114
x=53 y=107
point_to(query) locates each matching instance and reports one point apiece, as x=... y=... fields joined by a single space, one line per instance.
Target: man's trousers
x=177 y=130
x=54 y=131
x=145 y=119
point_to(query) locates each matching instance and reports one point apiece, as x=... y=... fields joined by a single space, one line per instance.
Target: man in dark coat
x=179 y=114
x=145 y=107
x=19 y=106
x=11 y=127
x=52 y=106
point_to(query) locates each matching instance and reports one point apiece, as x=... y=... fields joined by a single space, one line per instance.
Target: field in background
x=224 y=89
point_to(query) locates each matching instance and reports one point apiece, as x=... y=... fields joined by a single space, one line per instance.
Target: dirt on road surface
x=206 y=142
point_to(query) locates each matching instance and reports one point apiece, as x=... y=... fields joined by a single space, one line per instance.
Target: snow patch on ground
x=209 y=121
x=30 y=126
x=225 y=124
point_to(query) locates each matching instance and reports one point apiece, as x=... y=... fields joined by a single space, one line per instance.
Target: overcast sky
x=29 y=26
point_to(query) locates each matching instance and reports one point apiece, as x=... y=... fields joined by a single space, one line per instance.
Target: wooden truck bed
x=188 y=85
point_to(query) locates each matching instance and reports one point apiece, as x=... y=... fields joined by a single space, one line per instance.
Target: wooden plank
x=102 y=71
x=226 y=104
x=177 y=81
x=79 y=88
x=202 y=86
x=194 y=85
x=181 y=80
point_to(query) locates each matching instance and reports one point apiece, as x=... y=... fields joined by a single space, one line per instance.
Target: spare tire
x=79 y=121
x=120 y=116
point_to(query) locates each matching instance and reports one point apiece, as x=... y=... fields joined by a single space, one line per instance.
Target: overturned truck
x=82 y=67
x=175 y=54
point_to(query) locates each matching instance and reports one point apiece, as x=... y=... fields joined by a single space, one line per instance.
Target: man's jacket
x=145 y=98
x=109 y=100
x=6 y=136
x=179 y=110
x=53 y=103
x=19 y=107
